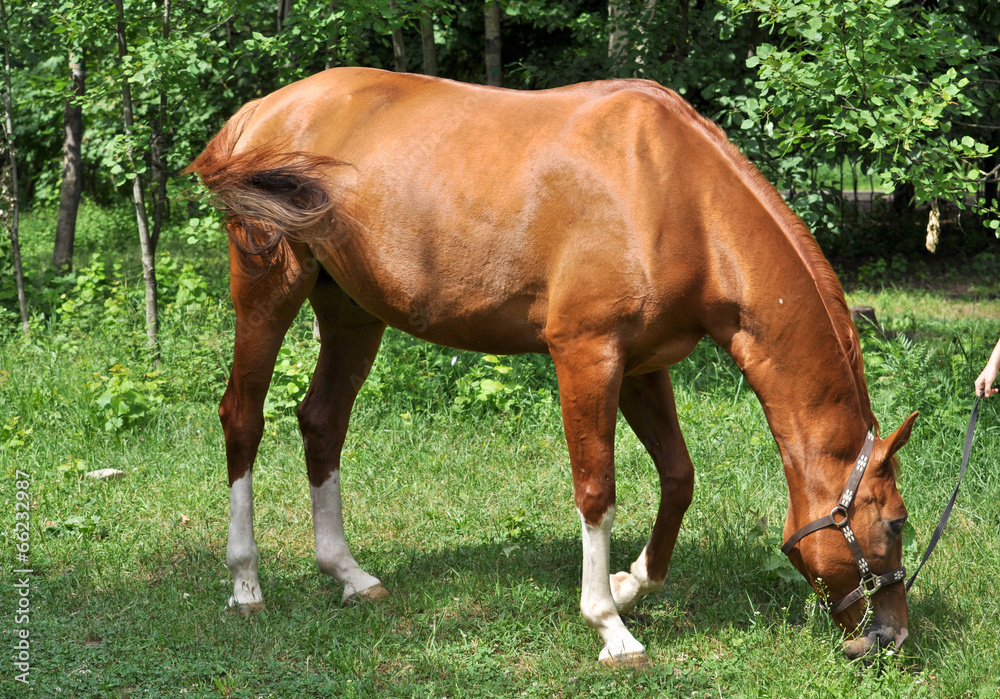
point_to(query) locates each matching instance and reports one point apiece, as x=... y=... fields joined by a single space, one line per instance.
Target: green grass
x=461 y=502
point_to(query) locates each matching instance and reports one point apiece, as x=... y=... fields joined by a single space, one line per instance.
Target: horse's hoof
x=245 y=610
x=635 y=659
x=369 y=594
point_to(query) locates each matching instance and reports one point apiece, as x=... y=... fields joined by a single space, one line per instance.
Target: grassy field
x=458 y=495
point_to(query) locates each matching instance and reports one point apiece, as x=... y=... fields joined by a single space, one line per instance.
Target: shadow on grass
x=165 y=617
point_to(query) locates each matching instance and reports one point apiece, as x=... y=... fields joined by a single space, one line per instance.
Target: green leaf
x=488 y=387
x=789 y=575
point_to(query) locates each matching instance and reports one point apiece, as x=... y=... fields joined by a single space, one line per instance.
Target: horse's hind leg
x=350 y=339
x=265 y=306
x=647 y=402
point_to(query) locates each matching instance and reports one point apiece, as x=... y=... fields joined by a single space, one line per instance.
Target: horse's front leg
x=350 y=338
x=590 y=374
x=647 y=402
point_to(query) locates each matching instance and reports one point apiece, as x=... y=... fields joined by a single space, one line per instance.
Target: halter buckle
x=839 y=509
x=871 y=584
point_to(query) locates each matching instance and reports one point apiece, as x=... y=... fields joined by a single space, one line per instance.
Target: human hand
x=984 y=384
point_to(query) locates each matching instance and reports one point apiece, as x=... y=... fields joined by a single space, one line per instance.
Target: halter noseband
x=838 y=518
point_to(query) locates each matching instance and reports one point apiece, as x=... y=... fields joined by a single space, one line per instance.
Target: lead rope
x=951 y=503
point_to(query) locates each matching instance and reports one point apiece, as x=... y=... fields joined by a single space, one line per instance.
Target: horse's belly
x=505 y=329
x=447 y=309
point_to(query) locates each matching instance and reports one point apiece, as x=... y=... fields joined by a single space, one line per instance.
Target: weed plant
x=458 y=495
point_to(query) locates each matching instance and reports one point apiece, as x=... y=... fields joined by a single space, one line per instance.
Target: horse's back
x=482 y=214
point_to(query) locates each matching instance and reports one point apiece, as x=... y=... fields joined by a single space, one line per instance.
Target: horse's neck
x=792 y=350
x=807 y=391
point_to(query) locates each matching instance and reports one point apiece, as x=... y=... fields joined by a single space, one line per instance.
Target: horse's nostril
x=874 y=639
x=858 y=647
x=884 y=637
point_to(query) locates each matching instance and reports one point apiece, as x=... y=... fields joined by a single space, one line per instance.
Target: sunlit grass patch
x=461 y=501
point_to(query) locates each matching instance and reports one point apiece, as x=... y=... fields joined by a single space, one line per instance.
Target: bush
x=124 y=399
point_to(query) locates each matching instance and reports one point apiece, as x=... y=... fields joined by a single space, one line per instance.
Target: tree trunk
x=145 y=240
x=427 y=39
x=12 y=219
x=753 y=21
x=157 y=144
x=494 y=71
x=990 y=190
x=284 y=10
x=683 y=25
x=903 y=198
x=398 y=48
x=332 y=60
x=72 y=172
x=618 y=41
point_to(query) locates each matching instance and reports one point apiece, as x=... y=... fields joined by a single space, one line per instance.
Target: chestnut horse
x=606 y=224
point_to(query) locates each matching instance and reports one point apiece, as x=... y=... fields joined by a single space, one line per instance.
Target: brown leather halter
x=838 y=517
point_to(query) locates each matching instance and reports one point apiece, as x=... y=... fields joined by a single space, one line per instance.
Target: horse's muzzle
x=876 y=638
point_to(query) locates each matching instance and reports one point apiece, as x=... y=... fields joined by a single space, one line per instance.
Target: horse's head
x=828 y=558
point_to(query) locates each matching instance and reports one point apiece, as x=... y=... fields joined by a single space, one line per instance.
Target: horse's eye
x=895 y=526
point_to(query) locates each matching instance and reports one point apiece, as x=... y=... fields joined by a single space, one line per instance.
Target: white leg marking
x=241 y=551
x=596 y=603
x=333 y=557
x=629 y=588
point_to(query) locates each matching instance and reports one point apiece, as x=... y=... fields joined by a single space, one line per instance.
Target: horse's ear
x=895 y=441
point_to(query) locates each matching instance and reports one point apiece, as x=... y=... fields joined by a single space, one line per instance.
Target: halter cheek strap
x=838 y=518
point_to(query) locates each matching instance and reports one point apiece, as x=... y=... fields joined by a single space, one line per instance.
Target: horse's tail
x=267 y=192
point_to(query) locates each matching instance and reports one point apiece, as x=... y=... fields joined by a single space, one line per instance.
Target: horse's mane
x=830 y=291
